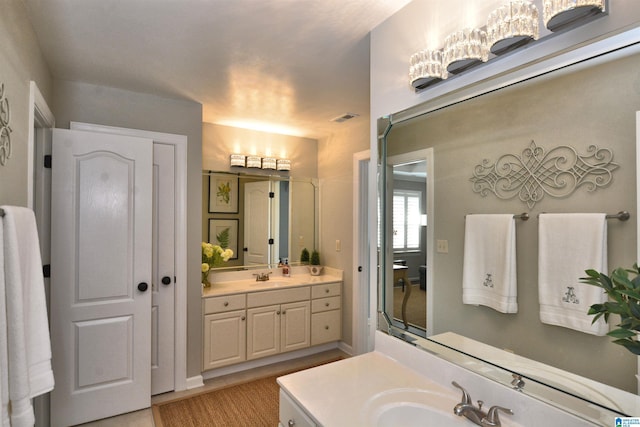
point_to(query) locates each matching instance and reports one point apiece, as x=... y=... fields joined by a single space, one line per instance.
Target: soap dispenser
x=286 y=272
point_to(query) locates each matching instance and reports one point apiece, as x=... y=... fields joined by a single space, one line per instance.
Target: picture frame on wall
x=226 y=230
x=223 y=194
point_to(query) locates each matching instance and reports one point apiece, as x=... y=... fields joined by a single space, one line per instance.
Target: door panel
x=163 y=297
x=256 y=222
x=101 y=252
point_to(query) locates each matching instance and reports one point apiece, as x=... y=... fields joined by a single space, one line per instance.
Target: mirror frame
x=619 y=45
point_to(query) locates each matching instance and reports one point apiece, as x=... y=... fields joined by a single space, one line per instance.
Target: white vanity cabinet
x=225 y=331
x=253 y=321
x=326 y=313
x=274 y=329
x=291 y=414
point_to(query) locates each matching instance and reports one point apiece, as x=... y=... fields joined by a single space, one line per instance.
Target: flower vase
x=315 y=270
x=205 y=280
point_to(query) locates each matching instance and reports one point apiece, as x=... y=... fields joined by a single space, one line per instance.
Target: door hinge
x=271 y=241
x=272 y=194
x=46 y=270
x=47 y=161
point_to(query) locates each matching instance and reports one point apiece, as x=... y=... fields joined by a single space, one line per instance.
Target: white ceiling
x=285 y=66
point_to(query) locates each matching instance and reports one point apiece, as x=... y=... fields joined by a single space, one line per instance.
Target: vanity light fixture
x=254 y=162
x=559 y=14
x=238 y=160
x=268 y=163
x=465 y=49
x=511 y=26
x=283 y=164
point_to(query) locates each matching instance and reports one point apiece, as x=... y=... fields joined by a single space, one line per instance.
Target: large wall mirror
x=262 y=218
x=590 y=103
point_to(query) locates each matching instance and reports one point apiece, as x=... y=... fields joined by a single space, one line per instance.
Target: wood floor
x=144 y=417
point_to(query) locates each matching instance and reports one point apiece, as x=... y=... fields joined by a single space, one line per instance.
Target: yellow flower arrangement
x=213 y=256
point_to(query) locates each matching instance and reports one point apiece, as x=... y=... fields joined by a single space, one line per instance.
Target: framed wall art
x=224 y=232
x=223 y=194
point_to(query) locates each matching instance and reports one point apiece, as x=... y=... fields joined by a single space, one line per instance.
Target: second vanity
x=246 y=319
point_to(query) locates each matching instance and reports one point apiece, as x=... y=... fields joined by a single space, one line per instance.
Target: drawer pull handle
x=242 y=318
x=278 y=312
x=326 y=291
x=226 y=303
x=326 y=327
x=284 y=311
x=291 y=423
x=326 y=304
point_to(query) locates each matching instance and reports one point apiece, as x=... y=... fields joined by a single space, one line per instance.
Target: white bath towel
x=5 y=419
x=489 y=273
x=569 y=244
x=29 y=345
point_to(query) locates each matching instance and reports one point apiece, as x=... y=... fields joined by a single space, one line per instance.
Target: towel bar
x=622 y=216
x=1 y=212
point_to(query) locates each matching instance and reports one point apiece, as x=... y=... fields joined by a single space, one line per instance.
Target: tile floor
x=144 y=418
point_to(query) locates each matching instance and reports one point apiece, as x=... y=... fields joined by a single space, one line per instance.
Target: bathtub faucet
x=474 y=413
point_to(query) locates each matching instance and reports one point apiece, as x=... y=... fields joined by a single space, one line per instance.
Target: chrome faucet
x=474 y=413
x=262 y=277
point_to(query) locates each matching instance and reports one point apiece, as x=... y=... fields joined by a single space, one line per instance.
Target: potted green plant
x=304 y=256
x=623 y=289
x=315 y=268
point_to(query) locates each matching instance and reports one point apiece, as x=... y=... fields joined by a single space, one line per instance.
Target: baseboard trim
x=194 y=382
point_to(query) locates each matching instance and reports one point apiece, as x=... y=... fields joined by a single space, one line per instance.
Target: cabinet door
x=326 y=327
x=291 y=414
x=225 y=335
x=295 y=326
x=263 y=331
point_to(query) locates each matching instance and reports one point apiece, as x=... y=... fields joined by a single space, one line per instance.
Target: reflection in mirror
x=593 y=103
x=268 y=217
x=408 y=198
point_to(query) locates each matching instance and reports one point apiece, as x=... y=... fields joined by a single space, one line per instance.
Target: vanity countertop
x=340 y=393
x=243 y=282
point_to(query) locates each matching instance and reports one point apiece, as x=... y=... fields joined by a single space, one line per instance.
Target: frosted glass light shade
x=425 y=68
x=268 y=163
x=237 y=160
x=284 y=164
x=558 y=14
x=254 y=162
x=512 y=25
x=465 y=49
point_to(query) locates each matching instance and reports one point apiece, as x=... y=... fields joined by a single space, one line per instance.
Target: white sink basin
x=411 y=407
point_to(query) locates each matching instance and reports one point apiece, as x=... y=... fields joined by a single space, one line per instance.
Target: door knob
x=142 y=286
x=166 y=280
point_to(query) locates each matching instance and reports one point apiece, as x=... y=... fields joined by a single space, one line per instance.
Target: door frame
x=180 y=144
x=362 y=308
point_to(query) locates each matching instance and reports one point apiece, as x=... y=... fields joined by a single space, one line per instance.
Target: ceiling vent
x=344 y=117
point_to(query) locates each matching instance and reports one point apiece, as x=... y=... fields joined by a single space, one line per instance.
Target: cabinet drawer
x=325 y=304
x=326 y=290
x=224 y=303
x=326 y=327
x=279 y=296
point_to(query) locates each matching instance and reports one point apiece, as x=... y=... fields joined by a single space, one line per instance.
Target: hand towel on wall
x=5 y=419
x=569 y=244
x=489 y=269
x=29 y=346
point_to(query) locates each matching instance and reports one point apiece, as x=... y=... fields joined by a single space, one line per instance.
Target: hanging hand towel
x=5 y=419
x=568 y=245
x=489 y=271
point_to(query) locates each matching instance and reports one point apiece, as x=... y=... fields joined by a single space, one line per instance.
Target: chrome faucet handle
x=466 y=399
x=517 y=382
x=492 y=419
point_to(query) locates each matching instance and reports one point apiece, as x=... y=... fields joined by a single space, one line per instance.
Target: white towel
x=29 y=345
x=5 y=419
x=569 y=244
x=489 y=271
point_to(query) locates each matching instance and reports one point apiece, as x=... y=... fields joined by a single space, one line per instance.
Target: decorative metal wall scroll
x=535 y=173
x=5 y=130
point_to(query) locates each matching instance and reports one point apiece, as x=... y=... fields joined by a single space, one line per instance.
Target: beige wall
x=592 y=107
x=335 y=168
x=74 y=101
x=20 y=62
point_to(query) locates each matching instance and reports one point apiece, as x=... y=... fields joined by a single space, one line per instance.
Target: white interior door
x=101 y=261
x=163 y=296
x=256 y=222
